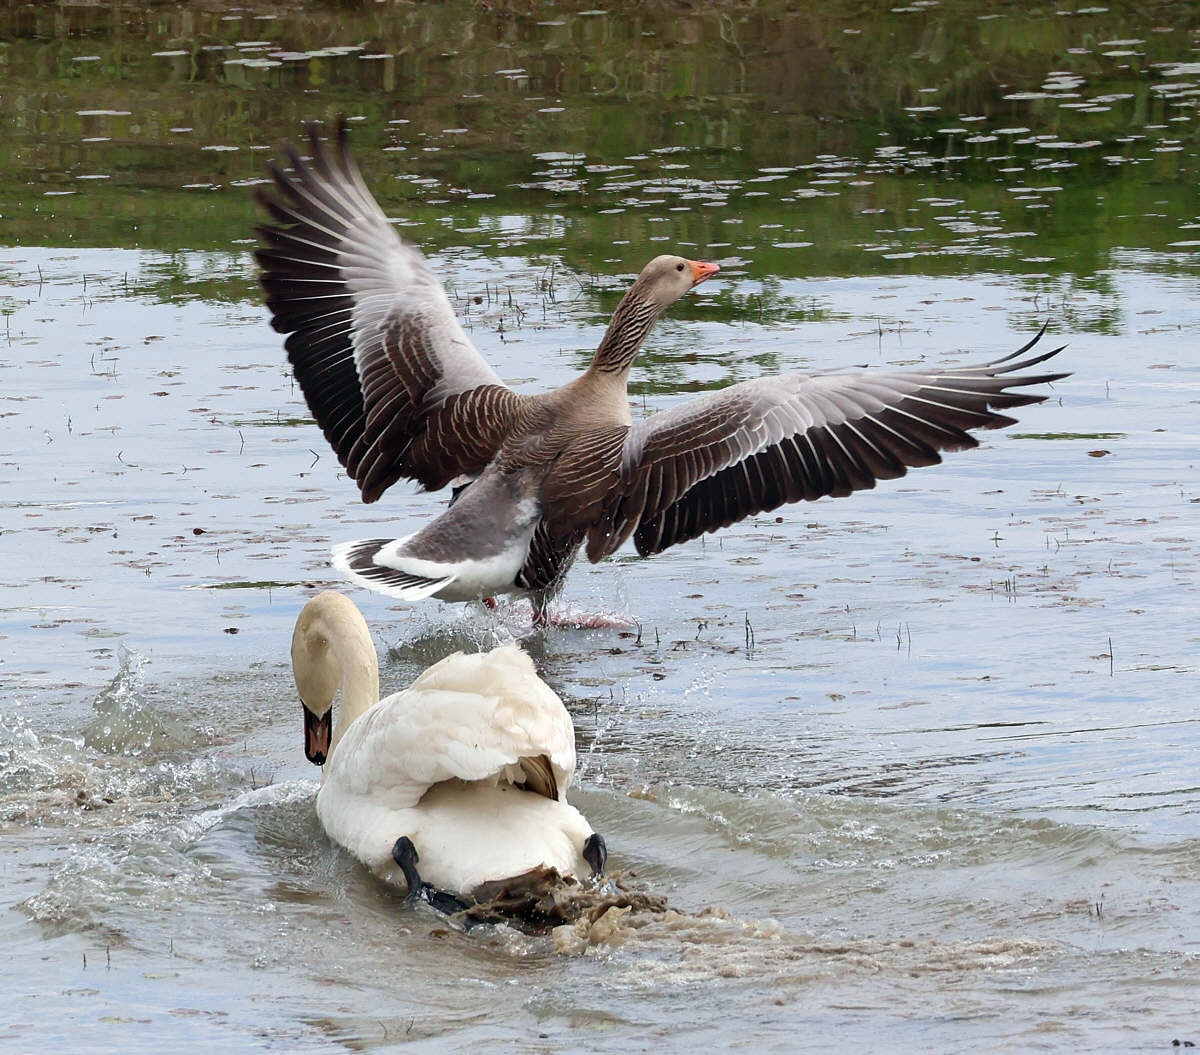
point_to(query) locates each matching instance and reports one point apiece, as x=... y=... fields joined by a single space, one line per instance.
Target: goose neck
x=622 y=341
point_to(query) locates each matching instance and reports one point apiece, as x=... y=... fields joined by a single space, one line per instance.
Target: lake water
x=929 y=753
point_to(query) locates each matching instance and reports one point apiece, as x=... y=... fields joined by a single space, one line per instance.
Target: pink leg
x=596 y=621
x=543 y=617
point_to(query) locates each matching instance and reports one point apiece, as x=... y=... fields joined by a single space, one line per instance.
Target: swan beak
x=702 y=270
x=317 y=733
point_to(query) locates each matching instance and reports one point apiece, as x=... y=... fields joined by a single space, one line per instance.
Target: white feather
x=468 y=580
x=436 y=761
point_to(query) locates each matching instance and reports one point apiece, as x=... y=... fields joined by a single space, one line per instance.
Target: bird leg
x=541 y=610
x=404 y=853
x=595 y=853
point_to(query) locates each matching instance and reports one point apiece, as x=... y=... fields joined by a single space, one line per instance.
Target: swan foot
x=595 y=852
x=404 y=853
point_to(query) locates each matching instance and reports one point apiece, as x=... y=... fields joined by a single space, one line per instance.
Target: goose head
x=332 y=652
x=661 y=282
x=667 y=278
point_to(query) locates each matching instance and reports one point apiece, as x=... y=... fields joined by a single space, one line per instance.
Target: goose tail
x=366 y=563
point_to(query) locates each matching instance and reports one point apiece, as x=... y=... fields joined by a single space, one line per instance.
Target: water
x=928 y=752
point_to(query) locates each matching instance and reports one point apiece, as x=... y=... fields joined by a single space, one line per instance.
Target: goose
x=463 y=774
x=400 y=391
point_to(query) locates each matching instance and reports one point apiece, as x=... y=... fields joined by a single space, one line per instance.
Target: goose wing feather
x=394 y=382
x=754 y=446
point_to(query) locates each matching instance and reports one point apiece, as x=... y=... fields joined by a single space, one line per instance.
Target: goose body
x=470 y=764
x=400 y=392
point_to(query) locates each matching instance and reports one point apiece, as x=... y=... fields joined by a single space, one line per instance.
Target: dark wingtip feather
x=1025 y=347
x=995 y=421
x=1025 y=364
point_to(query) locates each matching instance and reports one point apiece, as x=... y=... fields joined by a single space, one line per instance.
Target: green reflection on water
x=1067 y=435
x=833 y=141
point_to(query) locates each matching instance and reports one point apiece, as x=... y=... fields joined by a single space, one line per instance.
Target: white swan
x=466 y=771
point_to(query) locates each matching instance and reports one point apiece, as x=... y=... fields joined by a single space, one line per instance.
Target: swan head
x=667 y=278
x=332 y=652
x=318 y=677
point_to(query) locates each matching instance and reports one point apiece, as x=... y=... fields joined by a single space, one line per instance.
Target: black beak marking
x=317 y=734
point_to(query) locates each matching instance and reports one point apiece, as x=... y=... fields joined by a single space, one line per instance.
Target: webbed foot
x=404 y=853
x=595 y=852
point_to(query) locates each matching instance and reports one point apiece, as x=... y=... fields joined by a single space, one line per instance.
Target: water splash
x=126 y=722
x=148 y=867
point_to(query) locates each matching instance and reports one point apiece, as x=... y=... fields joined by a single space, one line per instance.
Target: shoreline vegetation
x=1005 y=140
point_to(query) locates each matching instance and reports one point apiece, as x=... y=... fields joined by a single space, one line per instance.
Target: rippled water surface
x=928 y=754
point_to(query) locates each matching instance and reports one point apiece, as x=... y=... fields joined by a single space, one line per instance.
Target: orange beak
x=701 y=271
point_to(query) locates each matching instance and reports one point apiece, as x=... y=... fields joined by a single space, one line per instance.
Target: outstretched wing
x=756 y=445
x=395 y=384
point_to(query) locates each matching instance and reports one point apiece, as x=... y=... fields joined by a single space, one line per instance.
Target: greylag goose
x=464 y=773
x=400 y=391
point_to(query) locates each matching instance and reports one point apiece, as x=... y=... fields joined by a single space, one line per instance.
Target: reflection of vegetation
x=219 y=277
x=272 y=423
x=1067 y=435
x=792 y=139
x=264 y=584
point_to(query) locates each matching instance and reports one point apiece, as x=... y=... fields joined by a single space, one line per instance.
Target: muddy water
x=928 y=752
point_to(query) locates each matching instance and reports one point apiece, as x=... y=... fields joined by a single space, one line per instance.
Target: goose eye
x=678 y=267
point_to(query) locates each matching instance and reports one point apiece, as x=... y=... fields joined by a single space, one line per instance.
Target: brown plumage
x=400 y=392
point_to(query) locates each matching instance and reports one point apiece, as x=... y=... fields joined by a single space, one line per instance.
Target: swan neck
x=360 y=684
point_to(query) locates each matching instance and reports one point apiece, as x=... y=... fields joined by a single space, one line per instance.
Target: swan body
x=401 y=393
x=471 y=763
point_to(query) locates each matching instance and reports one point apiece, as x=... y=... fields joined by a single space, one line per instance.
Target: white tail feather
x=354 y=561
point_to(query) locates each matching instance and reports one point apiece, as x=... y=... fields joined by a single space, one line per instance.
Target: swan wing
x=469 y=718
x=518 y=715
x=395 y=384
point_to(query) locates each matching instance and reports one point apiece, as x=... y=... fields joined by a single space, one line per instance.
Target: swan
x=401 y=392
x=463 y=774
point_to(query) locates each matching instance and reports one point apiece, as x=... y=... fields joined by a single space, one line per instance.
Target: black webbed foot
x=595 y=853
x=438 y=899
x=404 y=853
